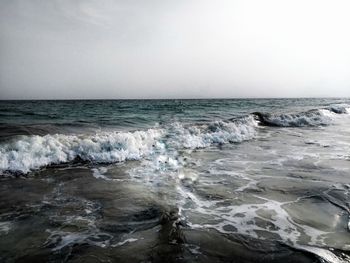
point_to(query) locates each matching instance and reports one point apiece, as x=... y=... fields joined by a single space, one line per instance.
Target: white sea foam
x=98 y=173
x=5 y=227
x=242 y=219
x=218 y=132
x=303 y=119
x=121 y=243
x=33 y=152
x=60 y=239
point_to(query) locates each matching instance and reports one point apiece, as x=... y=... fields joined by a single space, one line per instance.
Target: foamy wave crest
x=33 y=152
x=29 y=153
x=219 y=132
x=340 y=108
x=309 y=118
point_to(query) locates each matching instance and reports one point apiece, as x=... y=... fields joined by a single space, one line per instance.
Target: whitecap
x=33 y=152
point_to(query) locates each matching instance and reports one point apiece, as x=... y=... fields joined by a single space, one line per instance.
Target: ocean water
x=241 y=180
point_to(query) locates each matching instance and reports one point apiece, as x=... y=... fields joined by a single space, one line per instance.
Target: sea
x=219 y=180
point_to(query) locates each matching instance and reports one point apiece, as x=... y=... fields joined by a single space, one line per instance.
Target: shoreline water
x=177 y=182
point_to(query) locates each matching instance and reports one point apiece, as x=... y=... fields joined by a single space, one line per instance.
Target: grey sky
x=174 y=49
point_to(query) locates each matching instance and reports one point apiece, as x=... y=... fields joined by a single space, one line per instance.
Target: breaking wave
x=219 y=132
x=340 y=108
x=29 y=153
x=32 y=152
x=311 y=118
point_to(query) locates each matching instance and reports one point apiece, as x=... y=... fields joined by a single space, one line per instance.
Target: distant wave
x=340 y=108
x=315 y=117
x=29 y=153
x=18 y=112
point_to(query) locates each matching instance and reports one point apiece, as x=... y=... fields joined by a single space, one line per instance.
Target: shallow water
x=175 y=181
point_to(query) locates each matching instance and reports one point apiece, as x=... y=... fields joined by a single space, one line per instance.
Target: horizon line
x=215 y=98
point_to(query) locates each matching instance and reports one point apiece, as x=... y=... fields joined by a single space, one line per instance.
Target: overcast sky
x=61 y=49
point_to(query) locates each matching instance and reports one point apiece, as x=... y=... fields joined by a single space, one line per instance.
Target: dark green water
x=255 y=180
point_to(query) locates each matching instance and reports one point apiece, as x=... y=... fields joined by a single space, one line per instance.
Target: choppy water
x=264 y=180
